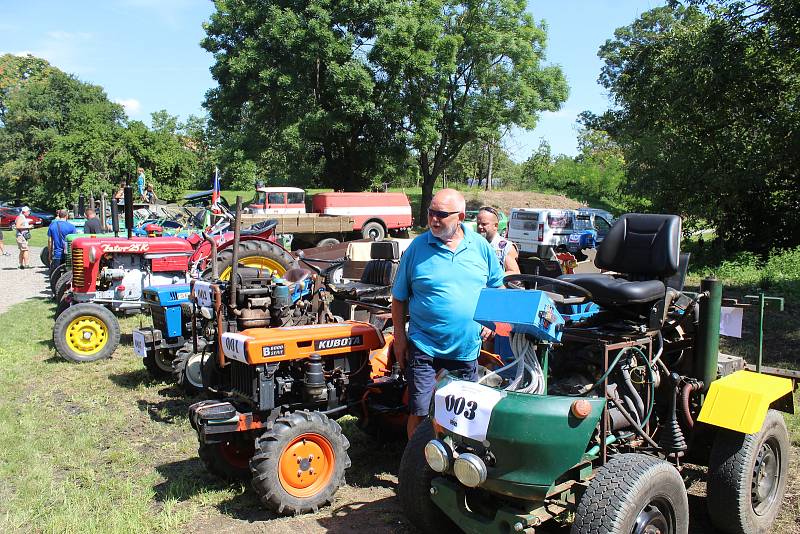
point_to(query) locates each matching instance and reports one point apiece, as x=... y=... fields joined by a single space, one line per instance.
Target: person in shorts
x=3 y=245
x=23 y=229
x=438 y=281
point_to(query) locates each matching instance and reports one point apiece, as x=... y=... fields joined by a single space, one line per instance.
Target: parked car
x=46 y=216
x=590 y=227
x=536 y=231
x=471 y=221
x=9 y=215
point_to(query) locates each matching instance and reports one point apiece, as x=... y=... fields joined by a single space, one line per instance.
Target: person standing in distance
x=140 y=183
x=438 y=282
x=93 y=224
x=23 y=228
x=488 y=221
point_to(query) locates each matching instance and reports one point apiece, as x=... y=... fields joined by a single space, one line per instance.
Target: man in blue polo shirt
x=439 y=280
x=57 y=233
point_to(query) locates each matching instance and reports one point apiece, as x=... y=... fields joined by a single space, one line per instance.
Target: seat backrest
x=642 y=245
x=379 y=272
x=384 y=250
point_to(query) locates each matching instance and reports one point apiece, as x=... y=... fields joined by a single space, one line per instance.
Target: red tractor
x=109 y=274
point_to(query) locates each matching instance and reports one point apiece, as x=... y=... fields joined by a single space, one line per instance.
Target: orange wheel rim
x=306 y=465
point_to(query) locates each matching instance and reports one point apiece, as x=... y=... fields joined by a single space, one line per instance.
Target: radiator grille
x=243 y=380
x=77 y=268
x=159 y=318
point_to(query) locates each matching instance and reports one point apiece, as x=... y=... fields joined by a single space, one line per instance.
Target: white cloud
x=65 y=50
x=565 y=113
x=131 y=105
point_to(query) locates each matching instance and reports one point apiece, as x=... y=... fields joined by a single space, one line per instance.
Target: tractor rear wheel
x=86 y=333
x=44 y=255
x=158 y=363
x=747 y=475
x=63 y=284
x=256 y=254
x=415 y=478
x=230 y=460
x=299 y=464
x=633 y=494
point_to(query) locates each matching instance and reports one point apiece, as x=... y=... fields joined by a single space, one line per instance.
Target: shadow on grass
x=380 y=515
x=171 y=411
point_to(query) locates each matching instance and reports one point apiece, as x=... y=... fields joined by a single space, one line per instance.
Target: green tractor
x=613 y=399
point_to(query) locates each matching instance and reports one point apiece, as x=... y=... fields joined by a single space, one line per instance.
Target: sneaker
x=21 y=266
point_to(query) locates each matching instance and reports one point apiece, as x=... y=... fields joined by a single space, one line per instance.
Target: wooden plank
x=304 y=223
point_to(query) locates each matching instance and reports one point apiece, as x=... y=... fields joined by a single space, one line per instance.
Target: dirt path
x=17 y=285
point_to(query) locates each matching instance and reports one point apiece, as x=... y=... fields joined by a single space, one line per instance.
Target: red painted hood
x=135 y=245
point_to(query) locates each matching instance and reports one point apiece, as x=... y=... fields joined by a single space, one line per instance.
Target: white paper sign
x=730 y=322
x=233 y=346
x=465 y=408
x=183 y=295
x=138 y=344
x=202 y=294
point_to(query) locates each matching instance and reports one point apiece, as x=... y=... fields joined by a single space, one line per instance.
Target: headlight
x=92 y=254
x=438 y=455
x=206 y=312
x=470 y=470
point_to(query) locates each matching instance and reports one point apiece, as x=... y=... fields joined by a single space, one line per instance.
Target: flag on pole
x=215 y=192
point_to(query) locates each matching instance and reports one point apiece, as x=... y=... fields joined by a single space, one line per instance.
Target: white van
x=538 y=230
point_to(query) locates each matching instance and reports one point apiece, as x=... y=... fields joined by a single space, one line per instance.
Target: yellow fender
x=740 y=400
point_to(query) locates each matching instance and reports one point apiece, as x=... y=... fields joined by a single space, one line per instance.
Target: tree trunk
x=490 y=169
x=428 y=183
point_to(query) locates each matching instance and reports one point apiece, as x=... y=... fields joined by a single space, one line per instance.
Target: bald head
x=449 y=200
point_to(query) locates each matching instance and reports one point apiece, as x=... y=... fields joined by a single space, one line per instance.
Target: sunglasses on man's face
x=441 y=214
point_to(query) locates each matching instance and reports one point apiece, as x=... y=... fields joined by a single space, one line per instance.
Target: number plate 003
x=465 y=408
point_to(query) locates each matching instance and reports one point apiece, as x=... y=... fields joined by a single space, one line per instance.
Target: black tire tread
x=217 y=465
x=153 y=368
x=611 y=494
x=269 y=447
x=179 y=370
x=415 y=482
x=255 y=248
x=63 y=285
x=728 y=484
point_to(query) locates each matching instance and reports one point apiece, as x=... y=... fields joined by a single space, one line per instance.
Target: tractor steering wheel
x=566 y=289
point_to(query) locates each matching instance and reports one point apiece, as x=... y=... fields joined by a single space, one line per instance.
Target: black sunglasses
x=441 y=214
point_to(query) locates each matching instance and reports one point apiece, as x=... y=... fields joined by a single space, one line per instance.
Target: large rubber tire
x=373 y=230
x=63 y=285
x=63 y=304
x=415 y=478
x=55 y=275
x=747 y=475
x=229 y=461
x=86 y=333
x=256 y=253
x=328 y=242
x=187 y=369
x=44 y=255
x=158 y=363
x=634 y=494
x=288 y=482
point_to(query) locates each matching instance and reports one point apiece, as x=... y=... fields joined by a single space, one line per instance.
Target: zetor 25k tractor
x=110 y=273
x=602 y=416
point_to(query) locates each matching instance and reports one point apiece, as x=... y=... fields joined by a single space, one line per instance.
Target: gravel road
x=18 y=284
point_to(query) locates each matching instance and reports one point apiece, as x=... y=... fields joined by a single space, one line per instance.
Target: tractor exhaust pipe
x=129 y=210
x=103 y=212
x=114 y=217
x=81 y=205
x=707 y=349
x=237 y=229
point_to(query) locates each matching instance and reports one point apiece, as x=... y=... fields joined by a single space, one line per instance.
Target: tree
x=454 y=72
x=706 y=113
x=296 y=96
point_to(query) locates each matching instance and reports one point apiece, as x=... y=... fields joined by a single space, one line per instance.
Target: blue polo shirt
x=58 y=232
x=442 y=288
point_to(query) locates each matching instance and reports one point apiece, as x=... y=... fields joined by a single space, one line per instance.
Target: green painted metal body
x=535 y=440
x=763 y=301
x=707 y=346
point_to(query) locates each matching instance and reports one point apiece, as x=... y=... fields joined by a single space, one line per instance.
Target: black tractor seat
x=645 y=249
x=260 y=227
x=617 y=291
x=378 y=276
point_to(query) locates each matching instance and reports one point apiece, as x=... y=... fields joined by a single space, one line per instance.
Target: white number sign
x=139 y=346
x=465 y=408
x=233 y=346
x=202 y=294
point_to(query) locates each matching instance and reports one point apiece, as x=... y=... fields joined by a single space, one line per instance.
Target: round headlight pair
x=469 y=468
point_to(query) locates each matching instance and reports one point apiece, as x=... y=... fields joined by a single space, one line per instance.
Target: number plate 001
x=465 y=408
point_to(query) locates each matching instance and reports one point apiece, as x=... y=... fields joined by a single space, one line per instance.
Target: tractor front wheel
x=63 y=285
x=86 y=333
x=158 y=363
x=187 y=369
x=44 y=255
x=747 y=475
x=415 y=478
x=55 y=274
x=299 y=464
x=230 y=460
x=634 y=494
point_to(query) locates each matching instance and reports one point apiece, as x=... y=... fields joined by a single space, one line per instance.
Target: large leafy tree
x=457 y=72
x=707 y=114
x=296 y=96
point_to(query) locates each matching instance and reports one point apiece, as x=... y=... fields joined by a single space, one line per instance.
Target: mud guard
x=740 y=400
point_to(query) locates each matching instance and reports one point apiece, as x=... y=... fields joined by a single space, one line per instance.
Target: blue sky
x=145 y=53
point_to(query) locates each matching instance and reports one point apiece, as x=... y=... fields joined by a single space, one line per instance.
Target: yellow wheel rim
x=87 y=335
x=256 y=262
